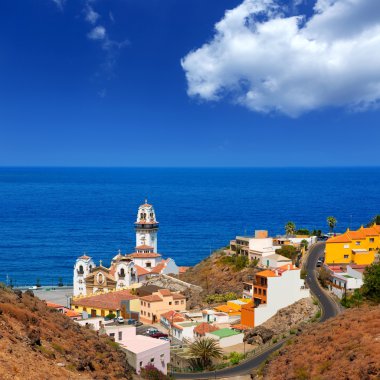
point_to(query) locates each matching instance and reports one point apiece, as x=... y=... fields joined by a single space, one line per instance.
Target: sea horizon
x=50 y=216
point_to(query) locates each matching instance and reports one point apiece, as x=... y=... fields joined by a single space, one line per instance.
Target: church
x=129 y=269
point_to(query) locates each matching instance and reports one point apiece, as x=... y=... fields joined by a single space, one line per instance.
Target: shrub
x=371 y=286
x=110 y=316
x=150 y=372
x=218 y=298
x=236 y=357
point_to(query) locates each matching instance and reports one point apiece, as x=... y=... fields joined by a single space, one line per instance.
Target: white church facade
x=125 y=270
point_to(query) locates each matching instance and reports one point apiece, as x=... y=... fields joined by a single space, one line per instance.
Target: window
x=264 y=292
x=371 y=240
x=148 y=265
x=357 y=242
x=140 y=364
x=112 y=335
x=148 y=314
x=346 y=246
x=152 y=360
x=346 y=256
x=182 y=302
x=170 y=303
x=120 y=335
x=176 y=302
x=148 y=304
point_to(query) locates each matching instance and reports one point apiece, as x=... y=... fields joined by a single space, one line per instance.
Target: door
x=93 y=313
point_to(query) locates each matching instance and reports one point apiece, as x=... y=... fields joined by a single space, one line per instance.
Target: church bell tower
x=146 y=227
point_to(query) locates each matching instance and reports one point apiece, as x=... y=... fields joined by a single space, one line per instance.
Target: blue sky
x=153 y=83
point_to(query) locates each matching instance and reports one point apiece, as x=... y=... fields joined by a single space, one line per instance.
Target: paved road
x=329 y=309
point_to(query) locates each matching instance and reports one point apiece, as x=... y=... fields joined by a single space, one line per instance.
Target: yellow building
x=120 y=302
x=357 y=247
x=233 y=307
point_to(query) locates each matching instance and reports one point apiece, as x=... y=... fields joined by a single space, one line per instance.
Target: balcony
x=146 y=226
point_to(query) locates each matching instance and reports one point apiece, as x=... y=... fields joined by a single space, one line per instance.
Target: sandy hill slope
x=346 y=347
x=39 y=343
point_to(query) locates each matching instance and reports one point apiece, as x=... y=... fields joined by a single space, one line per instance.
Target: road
x=329 y=309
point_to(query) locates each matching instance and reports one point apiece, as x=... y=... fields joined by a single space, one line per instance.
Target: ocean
x=50 y=216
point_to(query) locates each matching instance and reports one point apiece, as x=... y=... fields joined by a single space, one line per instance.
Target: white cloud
x=268 y=61
x=90 y=15
x=98 y=33
x=59 y=3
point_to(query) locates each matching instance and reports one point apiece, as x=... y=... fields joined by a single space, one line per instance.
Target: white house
x=212 y=316
x=276 y=289
x=184 y=330
x=226 y=337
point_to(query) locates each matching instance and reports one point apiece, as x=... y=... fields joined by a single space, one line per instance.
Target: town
x=143 y=304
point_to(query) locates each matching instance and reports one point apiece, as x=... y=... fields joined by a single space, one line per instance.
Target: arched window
x=122 y=272
x=80 y=271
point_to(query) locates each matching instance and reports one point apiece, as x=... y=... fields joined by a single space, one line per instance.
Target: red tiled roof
x=53 y=305
x=151 y=298
x=109 y=300
x=71 y=313
x=143 y=255
x=204 y=328
x=144 y=246
x=173 y=316
x=140 y=270
x=344 y=238
x=177 y=296
x=159 y=267
x=165 y=292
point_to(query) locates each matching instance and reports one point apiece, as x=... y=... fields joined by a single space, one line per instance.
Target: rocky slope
x=39 y=343
x=216 y=277
x=345 y=347
x=293 y=317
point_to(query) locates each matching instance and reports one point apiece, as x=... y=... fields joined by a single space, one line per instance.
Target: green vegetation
x=219 y=298
x=290 y=228
x=371 y=286
x=303 y=231
x=374 y=220
x=150 y=372
x=316 y=232
x=238 y=262
x=354 y=300
x=235 y=357
x=323 y=276
x=331 y=221
x=303 y=273
x=110 y=316
x=203 y=351
x=304 y=244
x=288 y=251
x=58 y=348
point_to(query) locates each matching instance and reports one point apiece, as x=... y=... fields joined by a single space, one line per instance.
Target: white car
x=120 y=319
x=34 y=287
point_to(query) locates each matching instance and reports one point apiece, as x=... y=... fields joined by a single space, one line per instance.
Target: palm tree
x=205 y=349
x=290 y=228
x=331 y=221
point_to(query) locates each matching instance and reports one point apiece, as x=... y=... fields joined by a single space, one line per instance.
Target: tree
x=205 y=350
x=150 y=372
x=303 y=231
x=324 y=276
x=374 y=220
x=290 y=228
x=288 y=251
x=371 y=285
x=331 y=221
x=304 y=243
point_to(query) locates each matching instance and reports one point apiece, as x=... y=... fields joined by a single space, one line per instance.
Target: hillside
x=215 y=275
x=345 y=347
x=39 y=343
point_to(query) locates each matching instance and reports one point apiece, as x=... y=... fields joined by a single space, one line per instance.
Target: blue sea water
x=50 y=216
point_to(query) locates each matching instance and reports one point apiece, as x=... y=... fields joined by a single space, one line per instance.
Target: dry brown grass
x=37 y=343
x=346 y=347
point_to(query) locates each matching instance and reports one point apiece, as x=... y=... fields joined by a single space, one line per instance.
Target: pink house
x=142 y=350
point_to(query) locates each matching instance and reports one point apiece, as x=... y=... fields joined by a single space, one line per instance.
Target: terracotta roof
x=266 y=273
x=159 y=267
x=371 y=231
x=204 y=328
x=183 y=269
x=165 y=292
x=173 y=316
x=53 y=305
x=151 y=298
x=356 y=235
x=140 y=255
x=146 y=205
x=344 y=238
x=140 y=270
x=144 y=246
x=72 y=313
x=109 y=300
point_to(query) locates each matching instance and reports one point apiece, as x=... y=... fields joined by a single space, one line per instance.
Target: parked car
x=319 y=263
x=159 y=335
x=138 y=323
x=34 y=287
x=151 y=331
x=166 y=338
x=120 y=319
